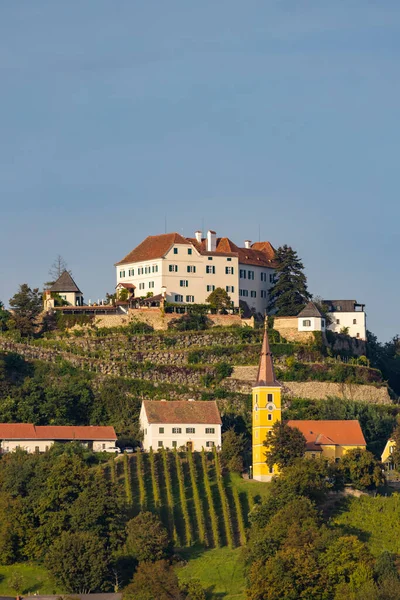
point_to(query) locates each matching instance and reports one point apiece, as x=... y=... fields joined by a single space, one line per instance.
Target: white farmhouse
x=39 y=438
x=348 y=314
x=310 y=319
x=187 y=270
x=175 y=424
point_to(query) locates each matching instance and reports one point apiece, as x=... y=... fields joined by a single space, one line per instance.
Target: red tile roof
x=260 y=254
x=331 y=433
x=154 y=246
x=182 y=411
x=27 y=431
x=11 y=431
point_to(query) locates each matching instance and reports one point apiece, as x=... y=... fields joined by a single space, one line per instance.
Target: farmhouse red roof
x=28 y=431
x=331 y=433
x=182 y=411
x=154 y=246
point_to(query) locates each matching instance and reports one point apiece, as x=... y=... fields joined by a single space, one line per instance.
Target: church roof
x=266 y=372
x=310 y=310
x=65 y=283
x=330 y=433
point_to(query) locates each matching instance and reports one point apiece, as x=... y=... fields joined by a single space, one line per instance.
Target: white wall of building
x=170 y=437
x=188 y=277
x=355 y=321
x=254 y=284
x=72 y=298
x=311 y=324
x=32 y=446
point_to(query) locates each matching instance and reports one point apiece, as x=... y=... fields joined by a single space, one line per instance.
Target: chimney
x=247 y=243
x=197 y=235
x=211 y=241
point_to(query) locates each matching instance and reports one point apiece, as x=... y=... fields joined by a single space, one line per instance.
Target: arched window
x=354 y=321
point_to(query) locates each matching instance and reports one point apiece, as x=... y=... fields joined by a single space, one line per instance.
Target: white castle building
x=187 y=270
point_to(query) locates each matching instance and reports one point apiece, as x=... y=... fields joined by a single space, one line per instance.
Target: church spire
x=266 y=373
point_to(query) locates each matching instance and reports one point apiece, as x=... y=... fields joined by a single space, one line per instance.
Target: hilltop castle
x=328 y=439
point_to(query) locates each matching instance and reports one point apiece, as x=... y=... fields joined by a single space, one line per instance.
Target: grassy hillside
x=194 y=502
x=220 y=571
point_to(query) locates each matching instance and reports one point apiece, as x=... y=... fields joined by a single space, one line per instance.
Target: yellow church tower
x=266 y=409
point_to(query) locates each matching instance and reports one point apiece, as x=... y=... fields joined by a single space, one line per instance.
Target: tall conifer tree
x=289 y=294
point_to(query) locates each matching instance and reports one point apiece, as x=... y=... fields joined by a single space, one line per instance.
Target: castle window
x=354 y=321
x=161 y=430
x=269 y=417
x=337 y=321
x=189 y=251
x=271 y=470
x=358 y=335
x=210 y=269
x=307 y=323
x=270 y=397
x=175 y=250
x=229 y=270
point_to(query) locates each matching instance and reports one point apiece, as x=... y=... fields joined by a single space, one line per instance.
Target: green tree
x=78 y=561
x=154 y=581
x=285 y=444
x=193 y=590
x=98 y=509
x=343 y=556
x=289 y=293
x=4 y=317
x=233 y=445
x=219 y=300
x=361 y=468
x=17 y=582
x=27 y=306
x=147 y=538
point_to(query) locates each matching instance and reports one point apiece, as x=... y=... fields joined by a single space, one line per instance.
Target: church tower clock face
x=271 y=406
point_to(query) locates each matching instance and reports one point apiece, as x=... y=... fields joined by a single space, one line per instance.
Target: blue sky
x=275 y=115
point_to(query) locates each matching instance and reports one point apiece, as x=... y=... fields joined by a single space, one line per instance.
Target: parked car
x=129 y=450
x=112 y=449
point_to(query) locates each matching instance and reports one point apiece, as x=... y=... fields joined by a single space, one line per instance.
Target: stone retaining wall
x=159 y=321
x=243 y=378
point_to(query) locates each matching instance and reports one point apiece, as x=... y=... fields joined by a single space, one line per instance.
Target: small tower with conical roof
x=267 y=410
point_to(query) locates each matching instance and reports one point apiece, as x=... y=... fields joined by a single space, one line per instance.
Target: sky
x=271 y=119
